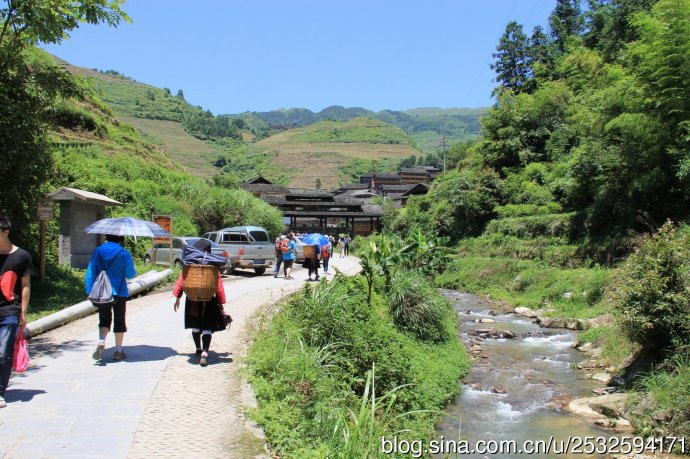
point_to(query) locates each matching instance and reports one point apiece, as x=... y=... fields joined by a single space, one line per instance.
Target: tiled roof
x=355 y=186
x=380 y=175
x=74 y=194
x=264 y=188
x=395 y=188
x=309 y=192
x=414 y=170
x=367 y=211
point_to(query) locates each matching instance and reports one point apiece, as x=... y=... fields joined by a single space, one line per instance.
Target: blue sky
x=260 y=55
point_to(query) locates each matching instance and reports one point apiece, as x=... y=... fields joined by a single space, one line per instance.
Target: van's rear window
x=259 y=236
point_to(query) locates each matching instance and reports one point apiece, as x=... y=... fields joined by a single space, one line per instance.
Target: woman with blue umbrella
x=312 y=262
x=117 y=263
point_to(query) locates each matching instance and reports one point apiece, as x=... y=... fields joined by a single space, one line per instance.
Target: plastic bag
x=227 y=320
x=20 y=361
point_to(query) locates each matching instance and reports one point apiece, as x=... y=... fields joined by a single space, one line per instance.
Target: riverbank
x=334 y=375
x=589 y=299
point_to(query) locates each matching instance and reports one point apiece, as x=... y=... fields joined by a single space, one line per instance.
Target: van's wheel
x=229 y=270
x=178 y=264
x=147 y=260
x=259 y=271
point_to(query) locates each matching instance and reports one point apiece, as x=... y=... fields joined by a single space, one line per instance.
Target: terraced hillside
x=155 y=113
x=334 y=152
x=326 y=149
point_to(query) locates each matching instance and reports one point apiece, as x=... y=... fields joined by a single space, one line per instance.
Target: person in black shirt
x=15 y=290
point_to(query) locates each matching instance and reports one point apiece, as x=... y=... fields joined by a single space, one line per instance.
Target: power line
x=481 y=71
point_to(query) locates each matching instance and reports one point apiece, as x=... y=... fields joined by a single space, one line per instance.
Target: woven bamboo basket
x=309 y=251
x=200 y=282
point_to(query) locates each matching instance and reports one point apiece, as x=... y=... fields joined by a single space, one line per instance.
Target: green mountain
x=425 y=125
x=346 y=142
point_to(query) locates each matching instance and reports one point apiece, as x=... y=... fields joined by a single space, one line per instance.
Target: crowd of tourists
x=314 y=259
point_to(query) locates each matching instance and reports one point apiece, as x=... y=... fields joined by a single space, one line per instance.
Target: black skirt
x=204 y=315
x=311 y=263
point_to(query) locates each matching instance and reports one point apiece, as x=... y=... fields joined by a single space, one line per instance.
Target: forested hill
x=425 y=125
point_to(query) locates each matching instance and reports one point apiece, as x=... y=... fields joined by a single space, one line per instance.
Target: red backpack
x=324 y=252
x=285 y=245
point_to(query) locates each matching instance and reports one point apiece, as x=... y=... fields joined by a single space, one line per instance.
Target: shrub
x=653 y=290
x=417 y=308
x=332 y=375
x=668 y=414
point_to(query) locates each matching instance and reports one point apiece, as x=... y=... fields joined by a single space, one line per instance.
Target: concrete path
x=157 y=403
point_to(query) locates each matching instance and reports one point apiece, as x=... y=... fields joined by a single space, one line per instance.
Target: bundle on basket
x=200 y=282
x=310 y=251
x=203 y=309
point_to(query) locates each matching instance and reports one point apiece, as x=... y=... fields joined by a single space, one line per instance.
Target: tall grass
x=333 y=375
x=358 y=434
x=669 y=388
x=416 y=307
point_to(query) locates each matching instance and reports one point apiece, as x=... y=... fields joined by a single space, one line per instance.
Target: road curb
x=86 y=308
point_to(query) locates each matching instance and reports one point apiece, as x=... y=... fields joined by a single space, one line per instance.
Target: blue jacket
x=290 y=254
x=120 y=266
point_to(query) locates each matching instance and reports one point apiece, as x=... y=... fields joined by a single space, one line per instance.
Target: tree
x=511 y=65
x=317 y=184
x=608 y=25
x=30 y=84
x=180 y=95
x=566 y=20
x=539 y=57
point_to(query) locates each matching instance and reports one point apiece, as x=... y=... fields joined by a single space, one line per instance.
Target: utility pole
x=444 y=145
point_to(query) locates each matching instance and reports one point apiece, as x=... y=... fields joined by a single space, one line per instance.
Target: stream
x=518 y=387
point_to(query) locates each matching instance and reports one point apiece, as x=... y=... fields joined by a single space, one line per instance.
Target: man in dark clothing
x=15 y=290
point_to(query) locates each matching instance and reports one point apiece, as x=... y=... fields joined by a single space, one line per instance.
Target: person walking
x=341 y=246
x=279 y=254
x=312 y=263
x=347 y=244
x=203 y=317
x=15 y=291
x=288 y=248
x=326 y=253
x=116 y=261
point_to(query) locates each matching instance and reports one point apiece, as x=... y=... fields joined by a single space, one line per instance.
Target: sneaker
x=317 y=278
x=119 y=356
x=275 y=275
x=98 y=353
x=203 y=360
x=3 y=403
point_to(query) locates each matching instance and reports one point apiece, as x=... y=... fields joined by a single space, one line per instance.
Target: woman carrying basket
x=203 y=317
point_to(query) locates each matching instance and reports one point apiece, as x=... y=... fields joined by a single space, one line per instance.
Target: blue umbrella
x=126 y=226
x=315 y=239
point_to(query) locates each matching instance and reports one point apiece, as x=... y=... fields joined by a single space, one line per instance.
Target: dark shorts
x=105 y=315
x=287 y=264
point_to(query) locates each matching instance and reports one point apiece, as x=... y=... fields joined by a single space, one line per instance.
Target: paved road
x=157 y=403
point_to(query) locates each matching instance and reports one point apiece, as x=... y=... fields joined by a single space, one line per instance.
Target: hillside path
x=157 y=403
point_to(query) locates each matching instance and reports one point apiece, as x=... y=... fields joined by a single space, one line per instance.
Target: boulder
x=603 y=377
x=588 y=365
x=610 y=405
x=527 y=312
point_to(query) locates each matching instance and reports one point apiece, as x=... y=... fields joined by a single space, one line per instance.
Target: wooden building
x=414 y=175
x=379 y=178
x=311 y=210
x=261 y=186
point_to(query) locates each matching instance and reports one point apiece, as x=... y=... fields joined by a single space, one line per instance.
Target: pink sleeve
x=177 y=291
x=220 y=293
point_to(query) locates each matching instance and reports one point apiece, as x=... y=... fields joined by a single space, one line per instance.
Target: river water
x=518 y=389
